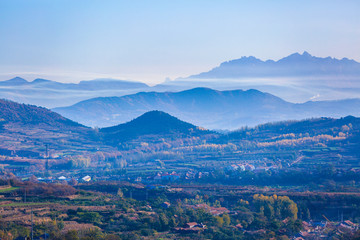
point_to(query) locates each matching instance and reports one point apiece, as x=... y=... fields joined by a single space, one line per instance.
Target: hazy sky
x=72 y=40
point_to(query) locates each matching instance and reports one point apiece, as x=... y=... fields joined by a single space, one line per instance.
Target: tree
x=112 y=237
x=33 y=178
x=279 y=207
x=269 y=211
x=73 y=182
x=226 y=219
x=5 y=236
x=283 y=237
x=120 y=193
x=93 y=234
x=60 y=225
x=217 y=203
x=71 y=235
x=219 y=221
x=164 y=221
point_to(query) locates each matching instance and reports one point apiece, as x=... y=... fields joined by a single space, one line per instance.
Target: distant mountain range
x=205 y=107
x=92 y=85
x=51 y=94
x=295 y=78
x=295 y=65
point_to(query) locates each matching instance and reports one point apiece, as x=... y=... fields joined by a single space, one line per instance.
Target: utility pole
x=45 y=228
x=47 y=158
x=342 y=216
x=32 y=225
x=46 y=150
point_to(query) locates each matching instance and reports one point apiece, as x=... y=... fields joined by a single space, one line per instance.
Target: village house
x=165 y=205
x=350 y=225
x=170 y=177
x=86 y=178
x=62 y=178
x=240 y=167
x=166 y=177
x=249 y=167
x=191 y=227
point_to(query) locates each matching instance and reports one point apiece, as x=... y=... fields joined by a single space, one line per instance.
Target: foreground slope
x=26 y=129
x=12 y=112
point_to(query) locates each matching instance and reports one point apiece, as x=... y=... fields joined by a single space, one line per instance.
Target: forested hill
x=151 y=123
x=25 y=130
x=317 y=126
x=12 y=112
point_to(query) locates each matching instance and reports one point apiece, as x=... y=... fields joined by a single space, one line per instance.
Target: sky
x=149 y=41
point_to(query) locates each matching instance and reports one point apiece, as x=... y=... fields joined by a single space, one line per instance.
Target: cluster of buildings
x=240 y=167
x=86 y=178
x=173 y=176
x=326 y=230
x=195 y=175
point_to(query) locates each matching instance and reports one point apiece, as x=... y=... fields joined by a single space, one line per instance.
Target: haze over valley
x=297 y=78
x=296 y=87
x=227 y=110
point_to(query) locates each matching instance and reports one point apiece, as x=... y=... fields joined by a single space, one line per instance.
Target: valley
x=158 y=158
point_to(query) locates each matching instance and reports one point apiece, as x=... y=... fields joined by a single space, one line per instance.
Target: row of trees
x=279 y=207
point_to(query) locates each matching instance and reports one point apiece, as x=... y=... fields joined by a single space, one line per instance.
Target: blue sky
x=72 y=40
